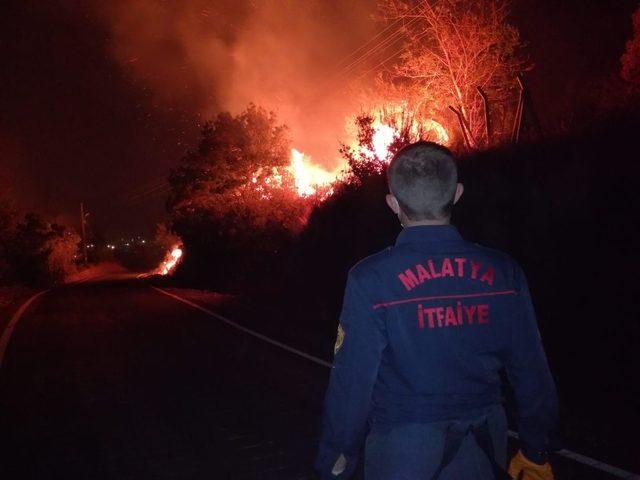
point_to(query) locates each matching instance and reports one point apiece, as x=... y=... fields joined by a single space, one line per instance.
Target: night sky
x=76 y=125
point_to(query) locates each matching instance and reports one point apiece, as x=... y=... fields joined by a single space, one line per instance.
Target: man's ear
x=459 y=192
x=393 y=204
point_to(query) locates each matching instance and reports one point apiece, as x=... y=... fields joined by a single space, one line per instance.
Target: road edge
x=8 y=331
x=244 y=329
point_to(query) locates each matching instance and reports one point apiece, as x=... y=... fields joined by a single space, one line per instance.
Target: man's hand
x=521 y=468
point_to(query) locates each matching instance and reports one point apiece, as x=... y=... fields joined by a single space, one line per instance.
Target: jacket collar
x=428 y=233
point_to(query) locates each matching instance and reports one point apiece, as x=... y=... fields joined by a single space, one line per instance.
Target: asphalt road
x=114 y=380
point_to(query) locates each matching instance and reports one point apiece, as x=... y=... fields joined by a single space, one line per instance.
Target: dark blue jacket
x=425 y=327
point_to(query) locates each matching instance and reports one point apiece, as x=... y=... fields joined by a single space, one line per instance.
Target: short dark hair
x=423 y=177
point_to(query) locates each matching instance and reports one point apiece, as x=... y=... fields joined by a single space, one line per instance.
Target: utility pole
x=517 y=122
x=458 y=114
x=83 y=221
x=487 y=116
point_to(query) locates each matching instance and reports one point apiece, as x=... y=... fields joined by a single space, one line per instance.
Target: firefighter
x=427 y=325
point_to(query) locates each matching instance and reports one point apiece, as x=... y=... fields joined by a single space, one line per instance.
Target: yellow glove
x=520 y=468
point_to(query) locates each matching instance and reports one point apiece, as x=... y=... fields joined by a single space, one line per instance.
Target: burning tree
x=380 y=134
x=240 y=162
x=375 y=144
x=457 y=50
x=234 y=200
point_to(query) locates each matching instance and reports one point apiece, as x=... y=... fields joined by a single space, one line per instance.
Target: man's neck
x=422 y=223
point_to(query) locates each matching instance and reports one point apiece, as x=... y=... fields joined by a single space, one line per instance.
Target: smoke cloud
x=205 y=56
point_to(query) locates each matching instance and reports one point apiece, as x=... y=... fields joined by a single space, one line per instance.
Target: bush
x=38 y=252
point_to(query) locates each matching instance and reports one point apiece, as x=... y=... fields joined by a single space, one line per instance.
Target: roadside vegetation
x=34 y=251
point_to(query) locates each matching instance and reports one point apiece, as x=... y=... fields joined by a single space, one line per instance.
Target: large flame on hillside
x=310 y=178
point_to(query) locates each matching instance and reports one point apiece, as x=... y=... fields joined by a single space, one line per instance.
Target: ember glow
x=171 y=260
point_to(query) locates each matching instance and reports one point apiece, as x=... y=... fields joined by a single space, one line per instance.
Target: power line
x=346 y=57
x=385 y=42
x=149 y=196
x=390 y=40
x=149 y=191
x=393 y=55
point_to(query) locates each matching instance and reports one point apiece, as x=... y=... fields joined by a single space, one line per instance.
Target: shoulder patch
x=339 y=339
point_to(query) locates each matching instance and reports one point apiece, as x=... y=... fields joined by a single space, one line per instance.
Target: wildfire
x=441 y=135
x=170 y=261
x=308 y=177
x=383 y=136
x=312 y=179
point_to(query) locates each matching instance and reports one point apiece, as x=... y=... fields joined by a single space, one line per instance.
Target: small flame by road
x=171 y=260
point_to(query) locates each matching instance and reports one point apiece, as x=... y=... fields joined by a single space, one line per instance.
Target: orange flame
x=312 y=179
x=383 y=137
x=170 y=261
x=308 y=177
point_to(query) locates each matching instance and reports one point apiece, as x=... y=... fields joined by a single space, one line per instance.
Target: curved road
x=114 y=380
